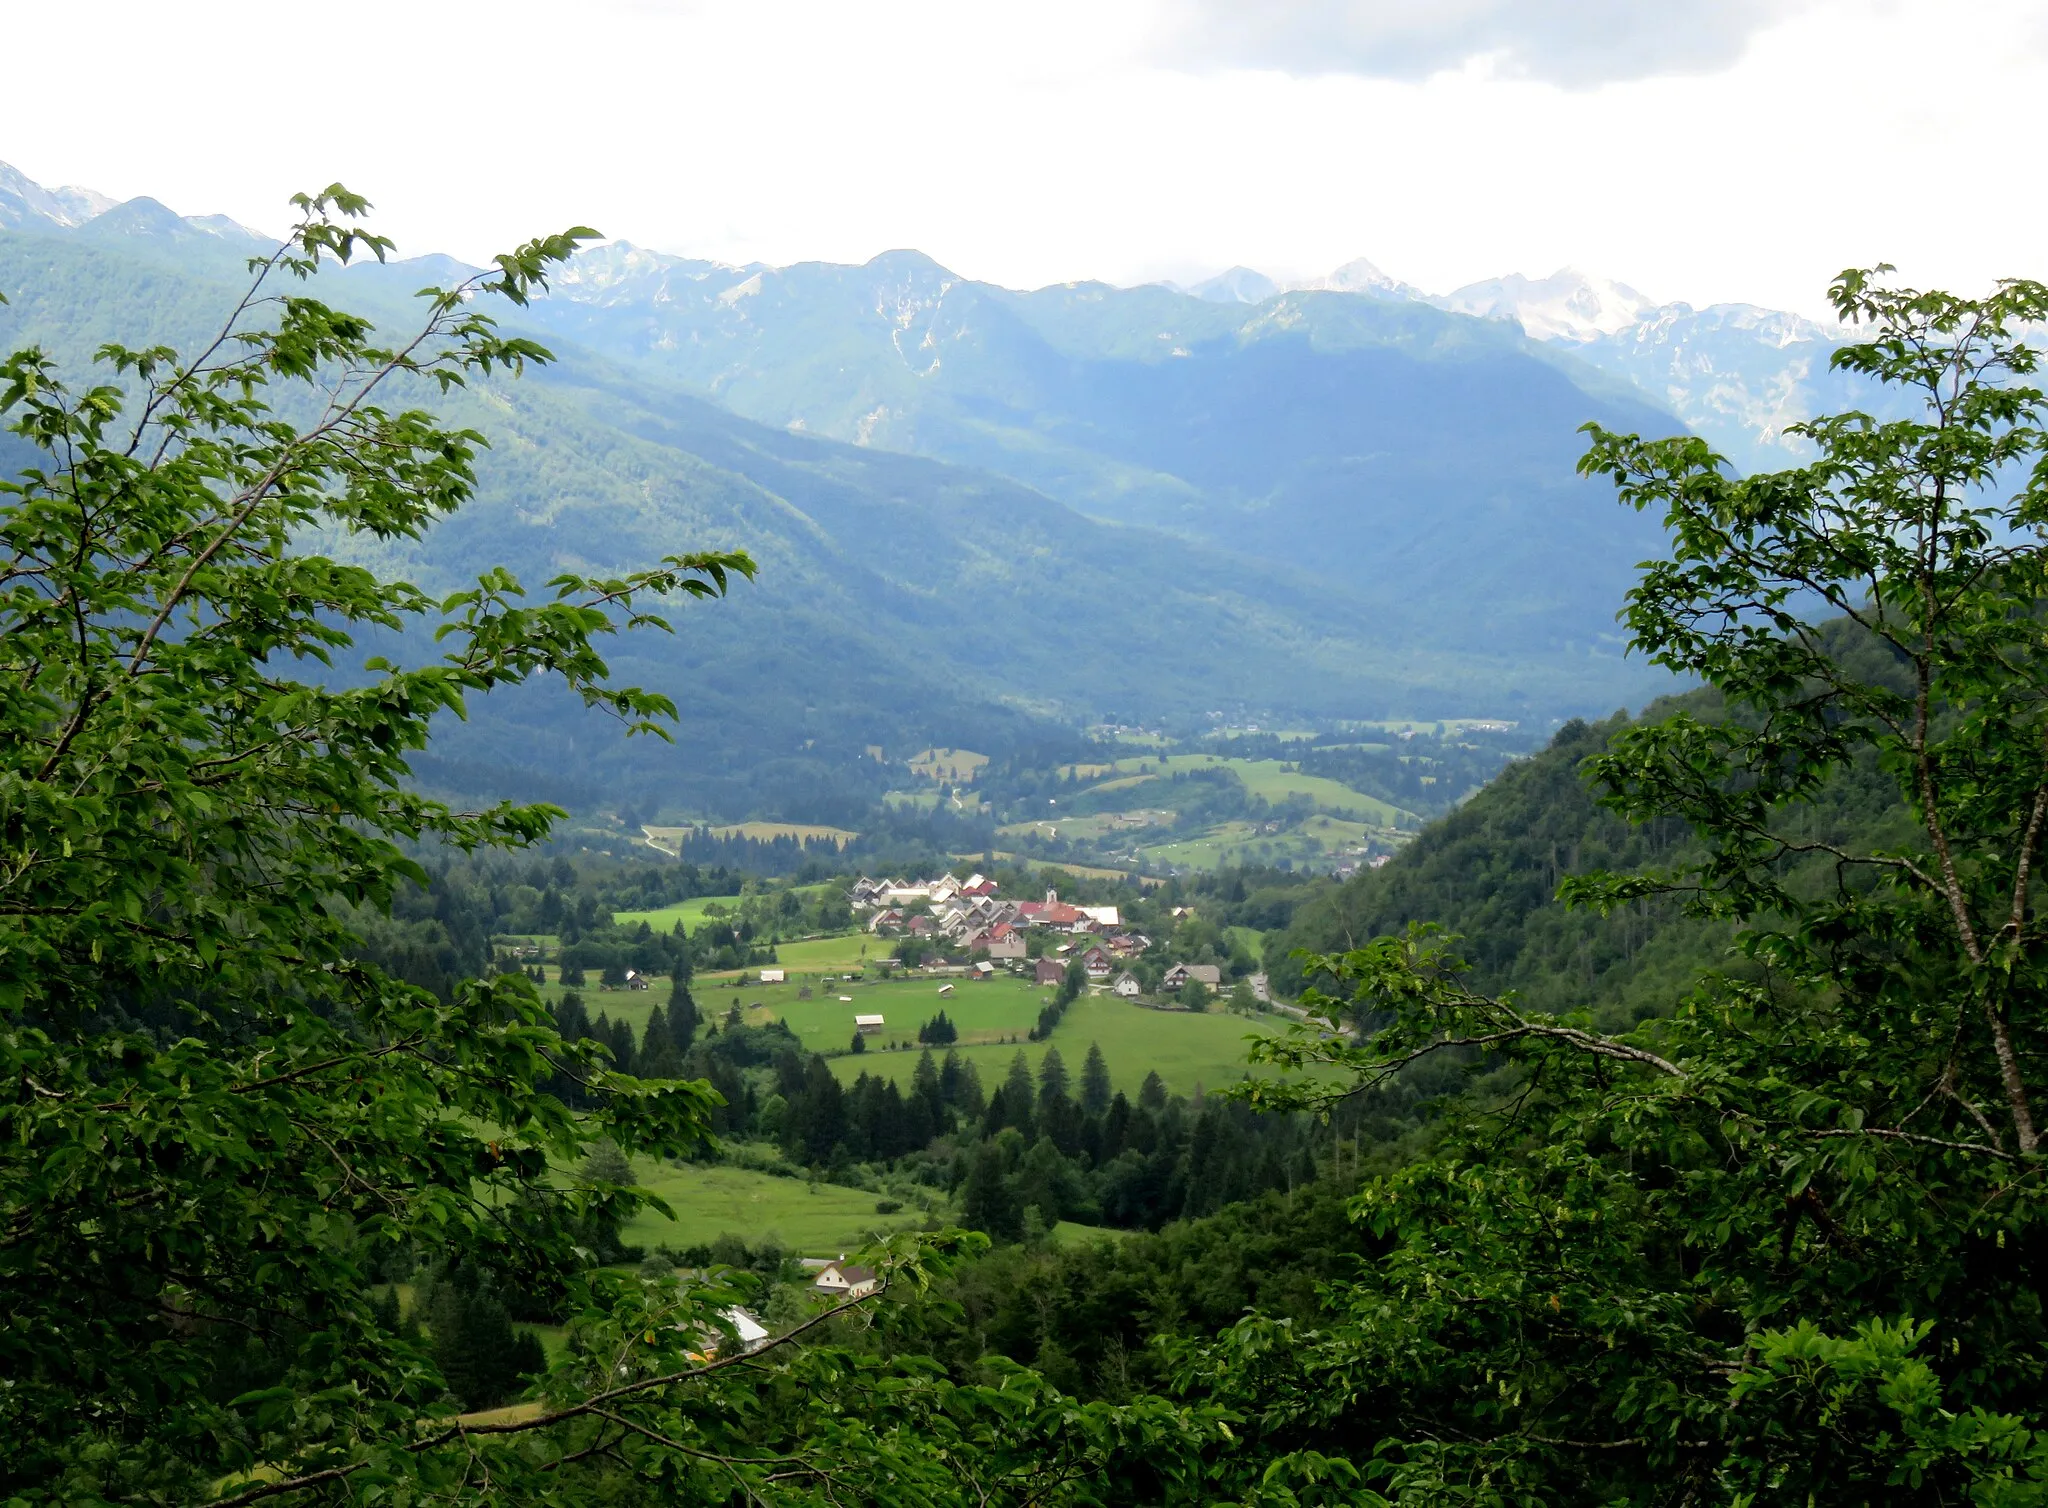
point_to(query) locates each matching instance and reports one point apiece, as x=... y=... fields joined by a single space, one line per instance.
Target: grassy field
x=810 y=1219
x=953 y=766
x=1091 y=871
x=1182 y=1048
x=1251 y=939
x=985 y=1011
x=694 y=912
x=1314 y=840
x=1099 y=825
x=814 y=954
x=1269 y=778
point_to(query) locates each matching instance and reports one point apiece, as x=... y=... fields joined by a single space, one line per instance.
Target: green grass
x=984 y=1011
x=692 y=913
x=848 y=951
x=816 y=1220
x=1269 y=778
x=1313 y=840
x=953 y=766
x=1067 y=1233
x=1251 y=939
x=1184 y=1049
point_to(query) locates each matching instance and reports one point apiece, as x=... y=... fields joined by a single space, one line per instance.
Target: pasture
x=953 y=766
x=809 y=1219
x=1270 y=778
x=1313 y=840
x=985 y=1011
x=1183 y=1048
x=694 y=912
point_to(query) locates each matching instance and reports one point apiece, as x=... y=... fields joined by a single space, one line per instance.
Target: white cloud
x=1033 y=143
x=1575 y=43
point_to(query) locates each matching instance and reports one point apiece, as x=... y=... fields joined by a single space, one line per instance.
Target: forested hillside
x=901 y=601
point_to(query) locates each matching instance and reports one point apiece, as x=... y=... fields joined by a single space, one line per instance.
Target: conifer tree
x=1052 y=1077
x=1018 y=1093
x=1152 y=1093
x=1095 y=1087
x=987 y=1203
x=683 y=1016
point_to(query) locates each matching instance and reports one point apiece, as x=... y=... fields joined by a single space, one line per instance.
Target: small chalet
x=1127 y=985
x=1048 y=971
x=1202 y=973
x=840 y=1280
x=768 y=976
x=1098 y=963
x=635 y=980
x=867 y=1026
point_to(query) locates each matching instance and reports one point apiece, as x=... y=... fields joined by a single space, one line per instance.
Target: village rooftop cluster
x=968 y=917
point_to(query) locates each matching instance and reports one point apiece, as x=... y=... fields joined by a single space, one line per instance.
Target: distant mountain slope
x=903 y=601
x=1416 y=461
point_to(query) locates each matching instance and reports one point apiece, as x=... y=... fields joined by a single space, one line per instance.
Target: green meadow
x=985 y=1011
x=1183 y=1048
x=694 y=912
x=811 y=1219
x=1269 y=778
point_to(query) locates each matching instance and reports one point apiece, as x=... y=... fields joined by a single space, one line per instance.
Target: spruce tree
x=987 y=1203
x=1018 y=1093
x=1052 y=1077
x=1095 y=1087
x=1152 y=1093
x=683 y=1017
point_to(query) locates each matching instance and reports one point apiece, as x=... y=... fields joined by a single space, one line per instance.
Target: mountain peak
x=1570 y=304
x=24 y=201
x=1236 y=285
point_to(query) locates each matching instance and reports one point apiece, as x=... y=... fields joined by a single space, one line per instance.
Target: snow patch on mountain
x=1568 y=305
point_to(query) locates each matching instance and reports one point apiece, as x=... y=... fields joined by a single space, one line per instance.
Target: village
x=972 y=929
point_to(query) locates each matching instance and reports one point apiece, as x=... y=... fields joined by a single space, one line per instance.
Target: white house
x=1104 y=915
x=773 y=976
x=1127 y=985
x=752 y=1334
x=840 y=1280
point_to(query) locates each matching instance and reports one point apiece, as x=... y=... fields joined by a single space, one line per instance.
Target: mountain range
x=985 y=516
x=1737 y=374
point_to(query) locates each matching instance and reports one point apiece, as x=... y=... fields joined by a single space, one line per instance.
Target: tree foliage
x=222 y=1127
x=1786 y=1243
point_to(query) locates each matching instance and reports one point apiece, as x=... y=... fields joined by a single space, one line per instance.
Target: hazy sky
x=1698 y=149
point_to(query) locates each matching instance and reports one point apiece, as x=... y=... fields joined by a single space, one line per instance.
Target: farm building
x=867 y=1026
x=842 y=1280
x=773 y=976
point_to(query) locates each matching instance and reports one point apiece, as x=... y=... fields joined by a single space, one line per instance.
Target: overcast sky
x=1698 y=149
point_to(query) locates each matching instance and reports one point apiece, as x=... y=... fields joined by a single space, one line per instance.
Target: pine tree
x=472 y=1340
x=1095 y=1088
x=859 y=1043
x=987 y=1203
x=1052 y=1076
x=1152 y=1093
x=658 y=1057
x=683 y=1017
x=1018 y=1093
